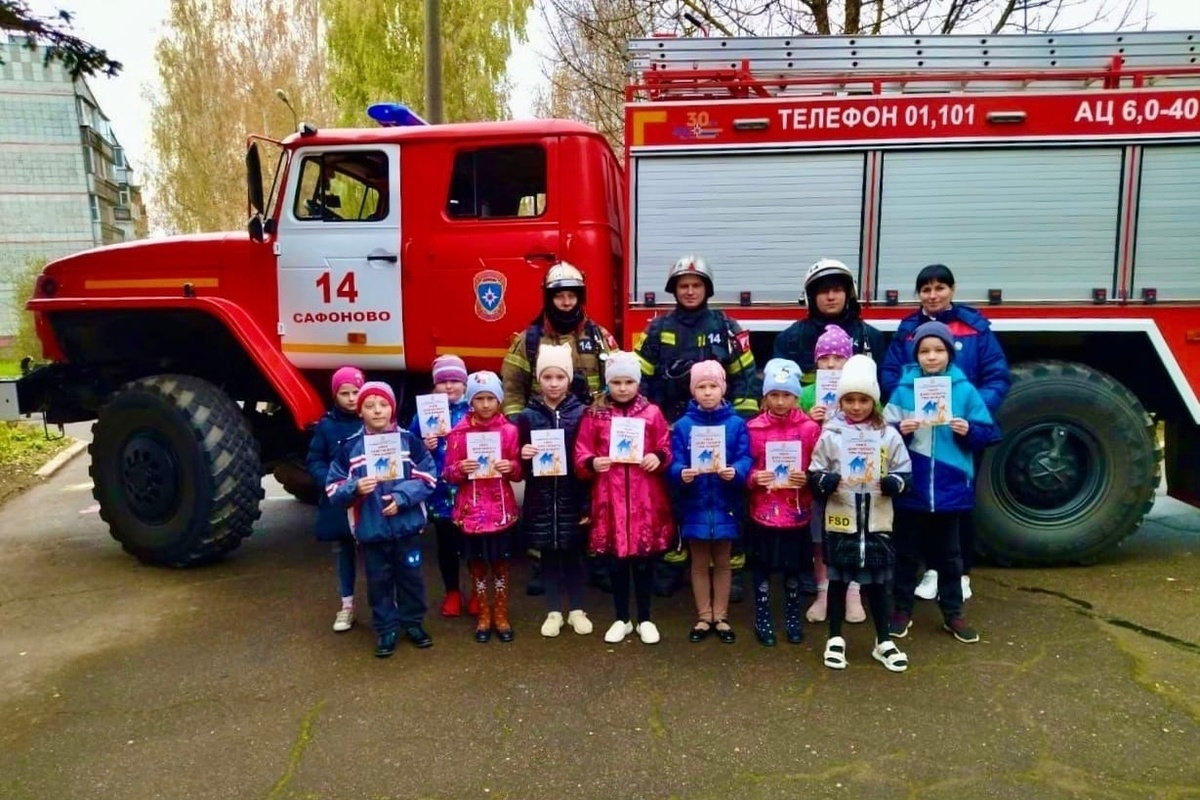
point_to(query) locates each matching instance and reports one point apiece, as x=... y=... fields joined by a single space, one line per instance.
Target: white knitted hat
x=859 y=376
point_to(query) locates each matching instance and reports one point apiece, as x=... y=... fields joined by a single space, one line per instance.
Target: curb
x=61 y=460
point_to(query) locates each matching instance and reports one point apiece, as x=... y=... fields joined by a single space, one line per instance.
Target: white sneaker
x=344 y=620
x=927 y=588
x=966 y=584
x=579 y=622
x=553 y=624
x=618 y=631
x=648 y=632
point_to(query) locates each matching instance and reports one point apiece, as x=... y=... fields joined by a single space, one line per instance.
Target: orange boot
x=504 y=631
x=483 y=620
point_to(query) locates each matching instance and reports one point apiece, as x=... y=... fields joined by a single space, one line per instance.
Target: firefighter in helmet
x=563 y=320
x=690 y=333
x=831 y=297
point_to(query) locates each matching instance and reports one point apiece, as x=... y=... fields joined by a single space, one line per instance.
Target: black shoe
x=795 y=635
x=505 y=635
x=699 y=631
x=419 y=637
x=484 y=636
x=725 y=634
x=386 y=644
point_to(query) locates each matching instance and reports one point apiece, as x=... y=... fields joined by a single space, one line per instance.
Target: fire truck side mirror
x=254 y=193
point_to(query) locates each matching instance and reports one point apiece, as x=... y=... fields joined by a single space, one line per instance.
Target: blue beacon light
x=394 y=115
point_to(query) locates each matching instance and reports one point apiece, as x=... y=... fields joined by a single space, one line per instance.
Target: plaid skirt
x=860 y=559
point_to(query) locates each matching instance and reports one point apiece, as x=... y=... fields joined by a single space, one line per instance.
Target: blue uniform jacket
x=977 y=353
x=332 y=430
x=415 y=484
x=441 y=504
x=708 y=507
x=943 y=467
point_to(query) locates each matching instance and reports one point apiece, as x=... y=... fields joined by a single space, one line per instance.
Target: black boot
x=793 y=612
x=536 y=587
x=737 y=587
x=764 y=628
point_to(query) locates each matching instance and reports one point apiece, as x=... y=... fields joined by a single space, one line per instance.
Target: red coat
x=487 y=505
x=781 y=508
x=631 y=510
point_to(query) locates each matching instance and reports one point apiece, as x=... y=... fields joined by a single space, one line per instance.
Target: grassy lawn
x=23 y=448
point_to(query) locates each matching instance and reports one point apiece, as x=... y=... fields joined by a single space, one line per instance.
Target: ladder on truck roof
x=668 y=67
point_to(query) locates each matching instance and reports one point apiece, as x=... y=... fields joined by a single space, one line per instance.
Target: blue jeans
x=345 y=553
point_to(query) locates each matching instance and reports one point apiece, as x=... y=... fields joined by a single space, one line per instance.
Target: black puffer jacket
x=550 y=518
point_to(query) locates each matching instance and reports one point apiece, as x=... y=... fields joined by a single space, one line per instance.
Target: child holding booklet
x=782 y=438
x=483 y=460
x=859 y=465
x=556 y=501
x=384 y=475
x=834 y=347
x=927 y=520
x=450 y=380
x=710 y=460
x=624 y=448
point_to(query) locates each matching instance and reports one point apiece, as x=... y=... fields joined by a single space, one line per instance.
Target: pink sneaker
x=854 y=607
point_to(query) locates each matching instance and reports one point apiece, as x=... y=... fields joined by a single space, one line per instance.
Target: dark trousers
x=966 y=526
x=932 y=538
x=563 y=573
x=394 y=583
x=639 y=572
x=449 y=539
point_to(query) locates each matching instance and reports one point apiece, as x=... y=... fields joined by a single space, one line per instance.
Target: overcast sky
x=130 y=35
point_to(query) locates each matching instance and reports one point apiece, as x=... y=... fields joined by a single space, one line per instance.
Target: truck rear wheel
x=1075 y=473
x=175 y=469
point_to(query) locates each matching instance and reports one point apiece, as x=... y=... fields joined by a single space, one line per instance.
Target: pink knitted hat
x=708 y=371
x=449 y=368
x=377 y=389
x=347 y=375
x=833 y=342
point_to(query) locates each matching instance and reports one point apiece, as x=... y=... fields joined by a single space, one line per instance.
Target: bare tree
x=587 y=70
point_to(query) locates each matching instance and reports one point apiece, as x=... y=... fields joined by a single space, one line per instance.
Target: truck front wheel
x=175 y=469
x=1075 y=473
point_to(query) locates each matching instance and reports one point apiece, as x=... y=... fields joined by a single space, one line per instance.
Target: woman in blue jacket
x=710 y=498
x=977 y=353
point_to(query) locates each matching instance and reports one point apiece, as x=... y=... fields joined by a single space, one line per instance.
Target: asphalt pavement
x=119 y=680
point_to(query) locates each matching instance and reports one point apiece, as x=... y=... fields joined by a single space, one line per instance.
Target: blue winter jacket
x=708 y=507
x=332 y=430
x=441 y=504
x=977 y=353
x=411 y=490
x=943 y=467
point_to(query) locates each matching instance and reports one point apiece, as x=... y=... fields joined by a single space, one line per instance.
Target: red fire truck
x=1058 y=175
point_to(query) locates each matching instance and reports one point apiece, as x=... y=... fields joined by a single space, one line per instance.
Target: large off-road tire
x=1075 y=473
x=294 y=478
x=175 y=470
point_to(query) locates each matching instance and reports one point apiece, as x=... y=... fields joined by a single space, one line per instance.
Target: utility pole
x=433 y=61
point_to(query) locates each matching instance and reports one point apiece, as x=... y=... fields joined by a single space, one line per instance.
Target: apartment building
x=65 y=183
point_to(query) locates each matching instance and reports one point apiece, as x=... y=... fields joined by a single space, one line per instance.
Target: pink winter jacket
x=781 y=508
x=631 y=511
x=487 y=505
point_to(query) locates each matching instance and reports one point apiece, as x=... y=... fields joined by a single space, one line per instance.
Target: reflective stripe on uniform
x=638 y=338
x=593 y=382
x=742 y=362
x=647 y=367
x=674 y=556
x=517 y=360
x=745 y=404
x=667 y=337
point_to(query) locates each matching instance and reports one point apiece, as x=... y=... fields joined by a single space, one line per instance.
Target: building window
x=95 y=203
x=496 y=182
x=119 y=157
x=123 y=198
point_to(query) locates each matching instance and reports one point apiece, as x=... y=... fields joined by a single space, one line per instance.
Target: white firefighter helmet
x=690 y=265
x=563 y=276
x=825 y=268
